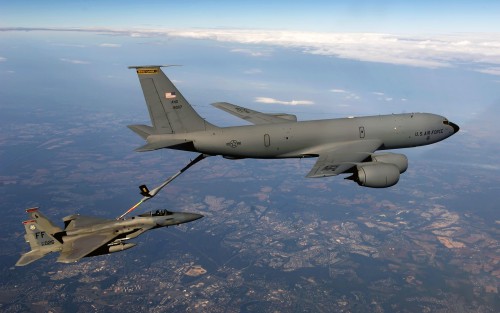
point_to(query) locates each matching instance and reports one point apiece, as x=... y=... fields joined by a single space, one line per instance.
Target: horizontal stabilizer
x=162 y=143
x=149 y=147
x=31 y=256
x=142 y=130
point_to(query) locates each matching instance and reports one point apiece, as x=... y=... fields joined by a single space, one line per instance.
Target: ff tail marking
x=40 y=238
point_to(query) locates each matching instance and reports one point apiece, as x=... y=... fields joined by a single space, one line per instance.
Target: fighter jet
x=344 y=145
x=85 y=236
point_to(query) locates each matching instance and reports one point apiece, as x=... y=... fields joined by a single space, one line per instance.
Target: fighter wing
x=78 y=221
x=254 y=117
x=339 y=158
x=75 y=248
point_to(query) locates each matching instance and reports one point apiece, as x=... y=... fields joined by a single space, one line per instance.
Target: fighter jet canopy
x=156 y=213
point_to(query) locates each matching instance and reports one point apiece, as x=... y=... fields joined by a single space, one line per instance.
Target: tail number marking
x=147 y=71
x=47 y=242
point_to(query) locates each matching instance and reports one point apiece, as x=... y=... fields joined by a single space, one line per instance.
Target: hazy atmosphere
x=271 y=239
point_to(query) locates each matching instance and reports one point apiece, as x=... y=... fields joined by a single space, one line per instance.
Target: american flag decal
x=170 y=95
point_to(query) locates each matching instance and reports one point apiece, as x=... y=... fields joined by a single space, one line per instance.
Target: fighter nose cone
x=189 y=217
x=455 y=127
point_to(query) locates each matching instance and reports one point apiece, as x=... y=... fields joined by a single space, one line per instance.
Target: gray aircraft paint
x=342 y=145
x=85 y=236
x=293 y=140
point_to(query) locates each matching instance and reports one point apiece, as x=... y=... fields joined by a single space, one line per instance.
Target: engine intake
x=400 y=160
x=376 y=175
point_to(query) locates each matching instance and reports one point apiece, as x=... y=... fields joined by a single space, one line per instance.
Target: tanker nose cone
x=456 y=128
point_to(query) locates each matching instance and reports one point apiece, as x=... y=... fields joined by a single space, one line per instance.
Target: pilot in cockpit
x=160 y=213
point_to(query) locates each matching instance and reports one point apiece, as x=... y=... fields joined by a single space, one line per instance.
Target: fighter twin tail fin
x=40 y=236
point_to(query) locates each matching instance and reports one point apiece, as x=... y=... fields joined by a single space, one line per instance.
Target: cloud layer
x=110 y=45
x=72 y=61
x=275 y=101
x=433 y=51
x=476 y=51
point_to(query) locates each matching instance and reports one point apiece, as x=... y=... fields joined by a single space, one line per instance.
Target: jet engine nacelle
x=400 y=160
x=376 y=175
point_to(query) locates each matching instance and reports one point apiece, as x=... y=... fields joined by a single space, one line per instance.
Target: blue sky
x=337 y=16
x=317 y=59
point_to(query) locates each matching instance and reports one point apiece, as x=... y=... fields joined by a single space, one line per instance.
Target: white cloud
x=251 y=53
x=352 y=96
x=346 y=93
x=275 y=101
x=383 y=97
x=480 y=50
x=68 y=45
x=2 y=59
x=491 y=71
x=110 y=45
x=253 y=71
x=72 y=61
x=138 y=35
x=260 y=85
x=431 y=51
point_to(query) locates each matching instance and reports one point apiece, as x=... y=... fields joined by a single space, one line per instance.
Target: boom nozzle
x=145 y=191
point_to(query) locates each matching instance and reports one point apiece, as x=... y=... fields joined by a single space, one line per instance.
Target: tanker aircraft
x=343 y=145
x=85 y=236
